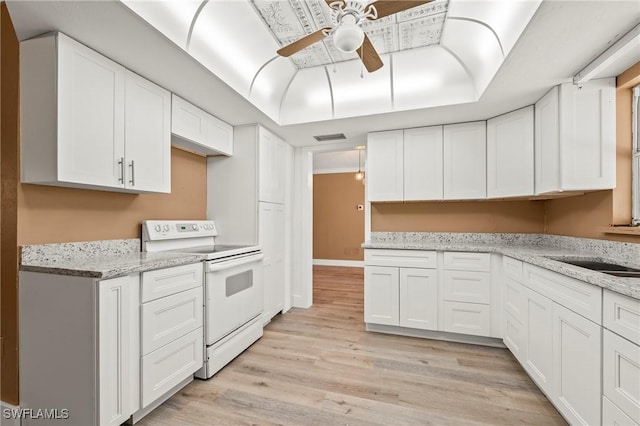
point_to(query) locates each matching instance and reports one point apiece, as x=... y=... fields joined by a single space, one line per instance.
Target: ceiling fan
x=347 y=33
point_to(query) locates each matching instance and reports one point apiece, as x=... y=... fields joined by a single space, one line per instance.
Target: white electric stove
x=233 y=286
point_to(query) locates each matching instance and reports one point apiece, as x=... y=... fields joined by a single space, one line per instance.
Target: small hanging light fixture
x=360 y=174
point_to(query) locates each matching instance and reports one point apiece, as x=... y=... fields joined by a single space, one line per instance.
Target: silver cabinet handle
x=121 y=164
x=133 y=175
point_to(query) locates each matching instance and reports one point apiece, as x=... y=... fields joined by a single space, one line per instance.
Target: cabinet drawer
x=467 y=318
x=514 y=337
x=401 y=258
x=164 y=320
x=621 y=314
x=461 y=261
x=582 y=298
x=467 y=286
x=166 y=367
x=512 y=268
x=621 y=374
x=613 y=416
x=164 y=282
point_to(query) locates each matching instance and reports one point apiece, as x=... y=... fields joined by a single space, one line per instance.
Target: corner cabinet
x=510 y=154
x=575 y=137
x=87 y=122
x=198 y=131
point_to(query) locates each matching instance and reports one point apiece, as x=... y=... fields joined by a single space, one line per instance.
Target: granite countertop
x=98 y=259
x=541 y=254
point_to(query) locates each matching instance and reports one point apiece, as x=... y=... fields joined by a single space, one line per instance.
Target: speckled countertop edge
x=536 y=254
x=98 y=259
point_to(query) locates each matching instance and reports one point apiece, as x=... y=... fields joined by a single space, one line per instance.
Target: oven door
x=234 y=292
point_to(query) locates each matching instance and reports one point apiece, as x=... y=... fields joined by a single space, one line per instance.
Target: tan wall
x=53 y=214
x=474 y=216
x=338 y=226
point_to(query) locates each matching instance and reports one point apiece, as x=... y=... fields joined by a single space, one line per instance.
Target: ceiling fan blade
x=305 y=41
x=334 y=1
x=369 y=56
x=389 y=7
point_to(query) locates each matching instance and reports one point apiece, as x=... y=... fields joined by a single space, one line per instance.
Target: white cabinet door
x=510 y=154
x=114 y=346
x=91 y=130
x=271 y=239
x=147 y=135
x=423 y=164
x=187 y=120
x=271 y=170
x=621 y=374
x=613 y=416
x=577 y=366
x=514 y=337
x=219 y=135
x=588 y=135
x=539 y=332
x=547 y=143
x=515 y=304
x=465 y=166
x=385 y=177
x=381 y=295
x=419 y=298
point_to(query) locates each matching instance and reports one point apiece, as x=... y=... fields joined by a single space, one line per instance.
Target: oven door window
x=239 y=282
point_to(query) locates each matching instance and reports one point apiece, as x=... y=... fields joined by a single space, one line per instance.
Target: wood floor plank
x=319 y=366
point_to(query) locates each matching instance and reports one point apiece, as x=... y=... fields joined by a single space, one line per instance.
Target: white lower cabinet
x=381 y=295
x=539 y=340
x=621 y=374
x=576 y=346
x=271 y=230
x=419 y=298
x=514 y=337
x=613 y=416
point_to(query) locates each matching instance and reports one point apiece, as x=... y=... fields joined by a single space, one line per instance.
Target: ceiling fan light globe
x=348 y=38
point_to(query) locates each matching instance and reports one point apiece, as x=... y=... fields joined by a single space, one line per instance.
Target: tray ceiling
x=442 y=53
x=290 y=20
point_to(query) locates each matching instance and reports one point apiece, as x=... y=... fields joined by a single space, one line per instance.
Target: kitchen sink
x=605 y=268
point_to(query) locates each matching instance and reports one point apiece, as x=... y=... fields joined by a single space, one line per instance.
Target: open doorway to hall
x=339 y=229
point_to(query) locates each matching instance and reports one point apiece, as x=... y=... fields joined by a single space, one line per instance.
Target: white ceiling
x=561 y=38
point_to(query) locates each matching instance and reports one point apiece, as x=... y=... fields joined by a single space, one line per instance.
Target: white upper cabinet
x=271 y=167
x=575 y=138
x=82 y=115
x=510 y=154
x=147 y=135
x=198 y=131
x=465 y=153
x=423 y=164
x=385 y=177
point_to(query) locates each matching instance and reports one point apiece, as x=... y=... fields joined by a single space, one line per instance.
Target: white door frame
x=302 y=271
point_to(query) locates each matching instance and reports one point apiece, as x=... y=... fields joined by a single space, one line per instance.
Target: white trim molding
x=338 y=262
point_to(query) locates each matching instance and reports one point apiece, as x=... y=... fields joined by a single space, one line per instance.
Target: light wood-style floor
x=320 y=367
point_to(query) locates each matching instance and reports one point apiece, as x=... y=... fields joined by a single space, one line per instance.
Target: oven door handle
x=220 y=266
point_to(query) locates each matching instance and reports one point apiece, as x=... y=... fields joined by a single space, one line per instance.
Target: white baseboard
x=335 y=262
x=6 y=417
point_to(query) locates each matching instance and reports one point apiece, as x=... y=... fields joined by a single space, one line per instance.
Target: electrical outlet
x=360 y=207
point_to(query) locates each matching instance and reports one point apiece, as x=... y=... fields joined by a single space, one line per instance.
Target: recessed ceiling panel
x=309 y=94
x=270 y=84
x=171 y=17
x=507 y=19
x=229 y=38
x=355 y=96
x=477 y=49
x=429 y=77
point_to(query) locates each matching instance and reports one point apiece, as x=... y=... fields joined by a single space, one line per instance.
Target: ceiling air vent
x=334 y=137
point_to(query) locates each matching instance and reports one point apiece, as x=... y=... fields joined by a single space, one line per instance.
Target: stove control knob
x=158 y=228
x=195 y=227
x=165 y=228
